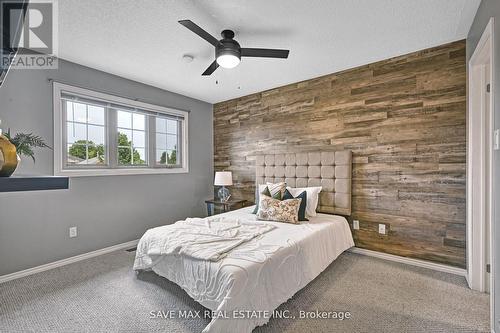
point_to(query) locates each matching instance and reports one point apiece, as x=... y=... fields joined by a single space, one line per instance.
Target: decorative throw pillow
x=275 y=188
x=312 y=197
x=267 y=193
x=280 y=211
x=303 y=203
x=275 y=191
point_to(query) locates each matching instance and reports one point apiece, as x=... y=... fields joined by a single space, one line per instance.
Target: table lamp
x=223 y=178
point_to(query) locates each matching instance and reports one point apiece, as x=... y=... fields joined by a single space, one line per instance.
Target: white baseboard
x=122 y=246
x=67 y=261
x=410 y=261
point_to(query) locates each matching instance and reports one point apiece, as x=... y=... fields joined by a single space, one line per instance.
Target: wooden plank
x=405 y=121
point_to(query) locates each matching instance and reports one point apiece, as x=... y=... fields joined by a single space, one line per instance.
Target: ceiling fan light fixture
x=228 y=51
x=228 y=60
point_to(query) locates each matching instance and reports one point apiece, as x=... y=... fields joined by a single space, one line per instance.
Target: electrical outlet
x=381 y=229
x=355 y=225
x=73 y=232
x=496 y=139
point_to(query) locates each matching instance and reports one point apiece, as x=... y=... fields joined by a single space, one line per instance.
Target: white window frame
x=59 y=125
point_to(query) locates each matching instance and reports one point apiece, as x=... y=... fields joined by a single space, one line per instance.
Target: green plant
x=26 y=142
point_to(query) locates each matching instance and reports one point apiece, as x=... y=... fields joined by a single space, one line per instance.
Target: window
x=86 y=134
x=166 y=141
x=101 y=134
x=131 y=138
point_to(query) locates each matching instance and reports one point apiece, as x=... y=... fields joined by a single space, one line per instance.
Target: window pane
x=69 y=111
x=139 y=156
x=85 y=134
x=124 y=156
x=82 y=154
x=96 y=115
x=80 y=112
x=139 y=121
x=161 y=141
x=164 y=157
x=171 y=157
x=131 y=156
x=172 y=126
x=76 y=153
x=166 y=141
x=124 y=137
x=96 y=155
x=124 y=119
x=139 y=139
x=161 y=125
x=96 y=135
x=161 y=156
x=171 y=142
x=76 y=133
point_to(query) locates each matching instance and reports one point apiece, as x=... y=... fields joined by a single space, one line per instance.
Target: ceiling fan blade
x=199 y=31
x=265 y=53
x=213 y=66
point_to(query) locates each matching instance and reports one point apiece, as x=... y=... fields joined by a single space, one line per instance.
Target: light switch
x=496 y=139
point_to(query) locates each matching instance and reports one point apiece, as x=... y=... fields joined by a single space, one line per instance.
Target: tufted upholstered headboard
x=331 y=170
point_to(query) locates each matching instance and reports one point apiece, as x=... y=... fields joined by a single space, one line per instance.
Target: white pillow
x=312 y=197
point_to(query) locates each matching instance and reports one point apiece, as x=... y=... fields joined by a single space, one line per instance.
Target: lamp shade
x=223 y=178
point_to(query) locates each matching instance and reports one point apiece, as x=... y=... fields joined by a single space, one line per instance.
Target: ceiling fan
x=228 y=51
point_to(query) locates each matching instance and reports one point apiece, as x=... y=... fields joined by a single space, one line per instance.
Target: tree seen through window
x=78 y=151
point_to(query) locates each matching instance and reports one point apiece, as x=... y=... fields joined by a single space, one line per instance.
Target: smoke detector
x=187 y=58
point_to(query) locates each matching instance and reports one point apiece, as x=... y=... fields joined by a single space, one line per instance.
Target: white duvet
x=205 y=239
x=255 y=276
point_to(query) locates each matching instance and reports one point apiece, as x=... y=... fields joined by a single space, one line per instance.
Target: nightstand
x=223 y=207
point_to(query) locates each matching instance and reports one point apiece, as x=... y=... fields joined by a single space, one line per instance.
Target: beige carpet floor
x=103 y=294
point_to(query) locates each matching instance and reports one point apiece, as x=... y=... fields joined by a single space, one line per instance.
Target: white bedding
x=258 y=275
x=205 y=239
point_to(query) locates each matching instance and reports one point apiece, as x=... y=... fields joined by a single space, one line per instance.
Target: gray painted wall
x=488 y=9
x=107 y=210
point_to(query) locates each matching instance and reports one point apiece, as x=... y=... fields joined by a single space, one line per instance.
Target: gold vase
x=8 y=157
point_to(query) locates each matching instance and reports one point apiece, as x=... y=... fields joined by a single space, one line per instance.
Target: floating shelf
x=33 y=183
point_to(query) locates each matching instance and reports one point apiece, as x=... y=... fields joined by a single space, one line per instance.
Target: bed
x=242 y=289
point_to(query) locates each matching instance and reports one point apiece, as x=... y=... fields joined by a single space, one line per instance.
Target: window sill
x=119 y=172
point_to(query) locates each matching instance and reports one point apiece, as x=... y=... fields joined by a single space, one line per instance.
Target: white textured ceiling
x=141 y=39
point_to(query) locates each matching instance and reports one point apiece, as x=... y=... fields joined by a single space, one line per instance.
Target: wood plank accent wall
x=404 y=120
